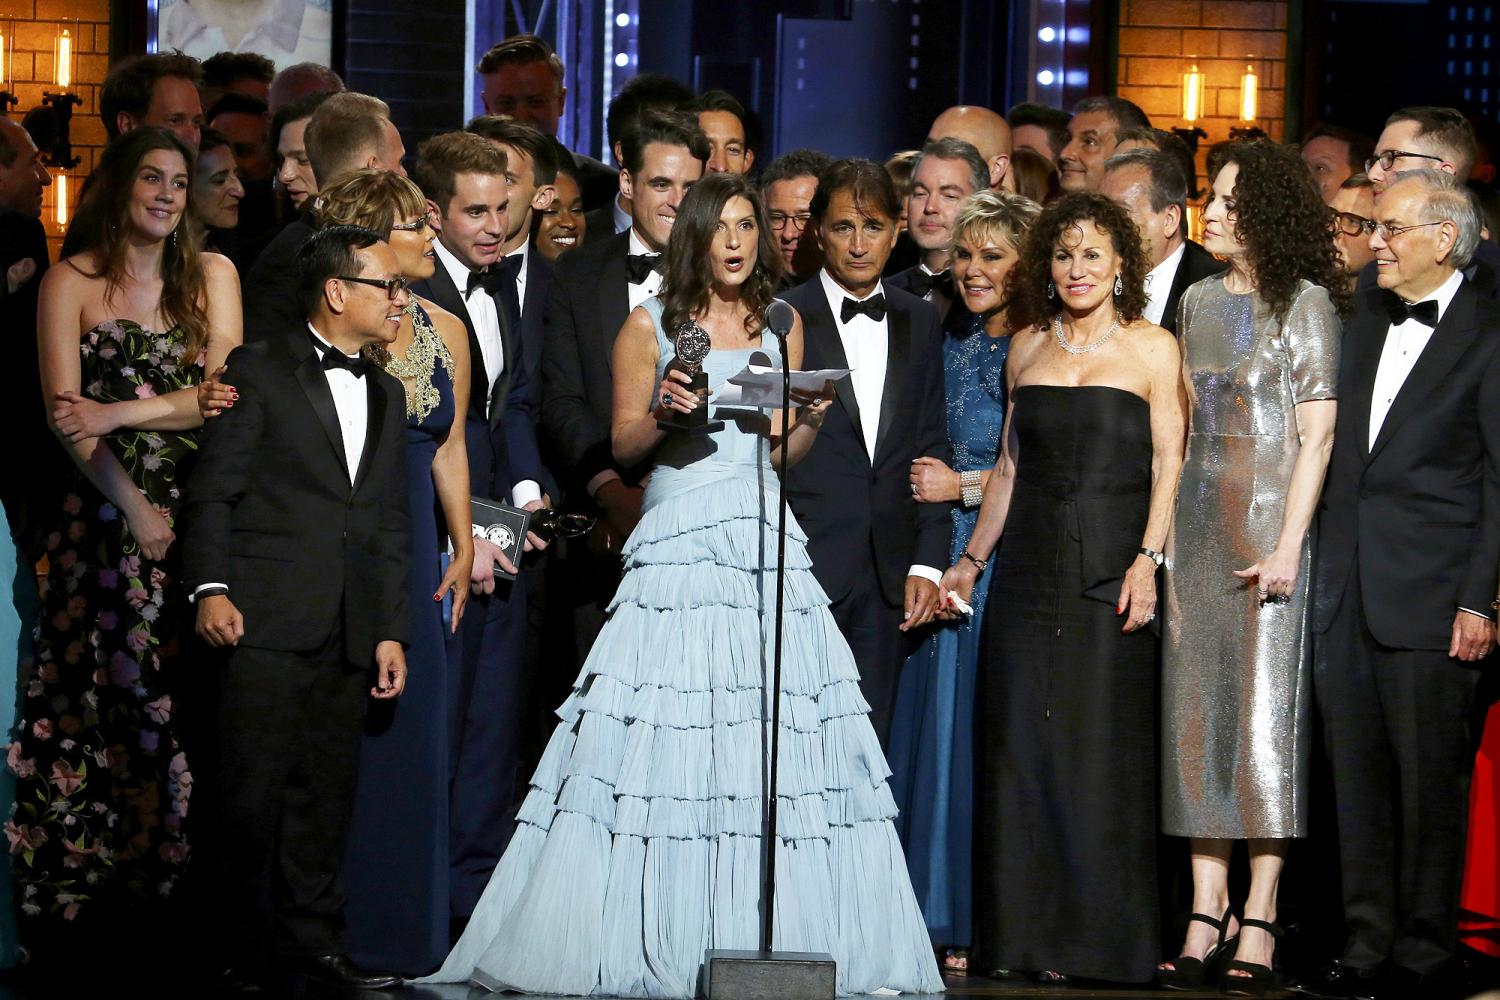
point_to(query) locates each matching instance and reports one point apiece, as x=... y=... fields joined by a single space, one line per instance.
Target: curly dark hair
x=1286 y=228
x=1030 y=304
x=688 y=282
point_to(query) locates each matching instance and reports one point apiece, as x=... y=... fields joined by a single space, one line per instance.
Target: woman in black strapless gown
x=1065 y=796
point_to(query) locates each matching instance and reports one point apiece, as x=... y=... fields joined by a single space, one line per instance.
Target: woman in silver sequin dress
x=1261 y=347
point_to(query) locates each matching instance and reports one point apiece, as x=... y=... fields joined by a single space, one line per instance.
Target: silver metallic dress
x=1236 y=685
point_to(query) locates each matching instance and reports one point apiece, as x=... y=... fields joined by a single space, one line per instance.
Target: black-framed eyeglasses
x=1353 y=225
x=1385 y=232
x=798 y=222
x=394 y=287
x=550 y=524
x=1388 y=159
x=414 y=226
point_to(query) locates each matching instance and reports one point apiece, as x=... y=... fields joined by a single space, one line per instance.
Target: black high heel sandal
x=1258 y=979
x=1188 y=974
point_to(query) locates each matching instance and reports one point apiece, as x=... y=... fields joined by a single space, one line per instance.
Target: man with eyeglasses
x=788 y=184
x=1432 y=138
x=1353 y=206
x=295 y=547
x=1405 y=585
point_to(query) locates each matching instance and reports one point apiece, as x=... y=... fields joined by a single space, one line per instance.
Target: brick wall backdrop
x=1160 y=39
x=33 y=26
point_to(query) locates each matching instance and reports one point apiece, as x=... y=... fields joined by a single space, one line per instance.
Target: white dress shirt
x=484 y=316
x=1404 y=343
x=867 y=348
x=486 y=320
x=351 y=398
x=524 y=252
x=1159 y=284
x=646 y=289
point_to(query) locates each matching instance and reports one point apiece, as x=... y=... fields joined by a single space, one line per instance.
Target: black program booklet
x=504 y=527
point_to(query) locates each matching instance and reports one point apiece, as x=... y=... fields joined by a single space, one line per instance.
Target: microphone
x=780 y=318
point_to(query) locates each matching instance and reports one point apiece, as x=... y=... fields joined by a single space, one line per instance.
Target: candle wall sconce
x=60 y=103
x=7 y=76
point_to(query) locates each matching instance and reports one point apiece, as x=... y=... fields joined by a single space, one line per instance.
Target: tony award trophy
x=692 y=344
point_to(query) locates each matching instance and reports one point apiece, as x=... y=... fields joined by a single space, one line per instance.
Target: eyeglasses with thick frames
x=779 y=220
x=1388 y=159
x=414 y=226
x=1353 y=225
x=394 y=287
x=1385 y=232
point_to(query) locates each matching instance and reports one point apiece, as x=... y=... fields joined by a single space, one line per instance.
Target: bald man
x=981 y=128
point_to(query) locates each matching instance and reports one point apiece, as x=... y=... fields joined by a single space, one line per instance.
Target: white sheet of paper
x=758 y=385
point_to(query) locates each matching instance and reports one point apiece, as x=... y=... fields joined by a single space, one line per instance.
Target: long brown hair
x=688 y=282
x=103 y=227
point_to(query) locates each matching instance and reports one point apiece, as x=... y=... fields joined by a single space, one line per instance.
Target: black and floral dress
x=102 y=783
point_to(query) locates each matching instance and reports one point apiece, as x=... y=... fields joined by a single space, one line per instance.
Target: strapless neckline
x=1071 y=388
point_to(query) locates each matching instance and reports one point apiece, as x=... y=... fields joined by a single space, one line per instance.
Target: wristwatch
x=1153 y=555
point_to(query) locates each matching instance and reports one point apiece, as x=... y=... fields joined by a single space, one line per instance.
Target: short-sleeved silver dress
x=1236 y=684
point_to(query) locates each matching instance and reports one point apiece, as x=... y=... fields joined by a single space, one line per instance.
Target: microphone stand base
x=756 y=975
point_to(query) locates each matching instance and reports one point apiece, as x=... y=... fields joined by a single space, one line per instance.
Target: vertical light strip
x=1249 y=95
x=607 y=78
x=469 y=61
x=63 y=60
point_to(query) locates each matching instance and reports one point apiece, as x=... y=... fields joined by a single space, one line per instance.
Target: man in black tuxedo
x=523 y=80
x=464 y=179
x=1439 y=139
x=347 y=132
x=1149 y=185
x=295 y=551
x=1408 y=550
x=647 y=93
x=875 y=550
x=32 y=500
x=593 y=290
x=945 y=173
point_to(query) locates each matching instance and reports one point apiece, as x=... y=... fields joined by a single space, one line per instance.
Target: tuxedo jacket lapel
x=614 y=297
x=315 y=385
x=824 y=349
x=1364 y=341
x=897 y=366
x=375 y=394
x=443 y=292
x=1453 y=336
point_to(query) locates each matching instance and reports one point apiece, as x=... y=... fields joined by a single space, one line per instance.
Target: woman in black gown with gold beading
x=1065 y=793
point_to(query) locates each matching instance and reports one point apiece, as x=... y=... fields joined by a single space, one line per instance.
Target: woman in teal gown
x=639 y=845
x=932 y=731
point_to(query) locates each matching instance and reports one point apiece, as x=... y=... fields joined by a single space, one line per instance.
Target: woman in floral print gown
x=127 y=328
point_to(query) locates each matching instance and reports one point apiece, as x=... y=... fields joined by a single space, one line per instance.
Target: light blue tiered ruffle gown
x=639 y=846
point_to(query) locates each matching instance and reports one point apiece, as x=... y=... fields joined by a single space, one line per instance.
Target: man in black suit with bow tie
x=1408 y=550
x=593 y=290
x=877 y=552
x=295 y=546
x=946 y=172
x=464 y=179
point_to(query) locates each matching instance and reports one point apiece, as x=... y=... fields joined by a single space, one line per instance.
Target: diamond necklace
x=1062 y=340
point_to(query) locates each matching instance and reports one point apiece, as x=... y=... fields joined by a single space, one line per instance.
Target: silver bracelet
x=971 y=488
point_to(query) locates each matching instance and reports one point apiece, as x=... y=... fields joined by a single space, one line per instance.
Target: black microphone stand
x=743 y=975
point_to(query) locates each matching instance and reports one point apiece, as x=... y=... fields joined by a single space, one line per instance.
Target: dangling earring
x=1051 y=291
x=1119 y=285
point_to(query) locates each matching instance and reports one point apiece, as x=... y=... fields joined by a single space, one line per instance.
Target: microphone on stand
x=780 y=317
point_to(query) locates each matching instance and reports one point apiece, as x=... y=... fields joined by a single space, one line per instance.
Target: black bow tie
x=1424 y=312
x=873 y=307
x=335 y=358
x=638 y=266
x=923 y=283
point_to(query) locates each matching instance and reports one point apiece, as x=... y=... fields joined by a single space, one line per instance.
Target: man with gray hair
x=1093 y=134
x=1149 y=185
x=1405 y=585
x=349 y=131
x=946 y=172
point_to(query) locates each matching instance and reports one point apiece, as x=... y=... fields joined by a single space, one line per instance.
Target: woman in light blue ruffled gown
x=639 y=845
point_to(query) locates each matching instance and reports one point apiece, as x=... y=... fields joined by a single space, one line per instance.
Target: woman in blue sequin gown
x=932 y=731
x=396 y=861
x=639 y=845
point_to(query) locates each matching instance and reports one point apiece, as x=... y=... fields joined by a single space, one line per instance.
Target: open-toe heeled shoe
x=1257 y=979
x=955 y=962
x=1188 y=974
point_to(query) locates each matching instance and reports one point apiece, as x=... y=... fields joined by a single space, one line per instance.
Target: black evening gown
x=1065 y=852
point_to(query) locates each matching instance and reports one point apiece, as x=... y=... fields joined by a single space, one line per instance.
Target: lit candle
x=1249 y=102
x=4 y=63
x=1192 y=95
x=64 y=59
x=60 y=191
